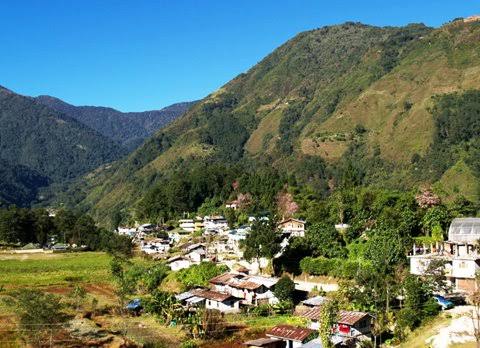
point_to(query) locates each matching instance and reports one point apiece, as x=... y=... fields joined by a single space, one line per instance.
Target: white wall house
x=293 y=227
x=187 y=225
x=178 y=262
x=459 y=254
x=253 y=290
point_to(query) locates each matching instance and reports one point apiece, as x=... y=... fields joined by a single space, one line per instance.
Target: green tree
x=284 y=289
x=262 y=241
x=39 y=313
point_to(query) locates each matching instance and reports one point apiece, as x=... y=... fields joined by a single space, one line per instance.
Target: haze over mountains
x=45 y=141
x=376 y=104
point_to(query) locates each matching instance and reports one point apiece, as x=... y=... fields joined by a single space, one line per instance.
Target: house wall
x=464 y=268
x=225 y=307
x=178 y=265
x=467 y=285
x=418 y=264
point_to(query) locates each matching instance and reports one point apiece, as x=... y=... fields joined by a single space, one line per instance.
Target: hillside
x=351 y=102
x=128 y=128
x=40 y=146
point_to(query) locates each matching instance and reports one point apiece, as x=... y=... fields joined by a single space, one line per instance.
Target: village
x=248 y=285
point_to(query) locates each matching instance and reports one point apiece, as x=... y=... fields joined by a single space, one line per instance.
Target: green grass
x=39 y=270
x=418 y=337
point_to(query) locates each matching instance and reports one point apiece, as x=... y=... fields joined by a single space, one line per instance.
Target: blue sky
x=141 y=55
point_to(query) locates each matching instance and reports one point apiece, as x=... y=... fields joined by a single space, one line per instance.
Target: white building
x=253 y=290
x=215 y=223
x=293 y=336
x=177 y=263
x=220 y=301
x=293 y=227
x=188 y=225
x=462 y=260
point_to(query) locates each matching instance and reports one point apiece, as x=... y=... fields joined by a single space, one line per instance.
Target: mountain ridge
x=40 y=146
x=337 y=100
x=127 y=128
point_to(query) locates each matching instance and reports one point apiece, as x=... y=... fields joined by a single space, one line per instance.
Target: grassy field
x=42 y=270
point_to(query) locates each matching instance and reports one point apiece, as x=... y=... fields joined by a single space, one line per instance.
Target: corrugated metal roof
x=313 y=313
x=350 y=317
x=315 y=301
x=290 y=332
x=184 y=296
x=212 y=295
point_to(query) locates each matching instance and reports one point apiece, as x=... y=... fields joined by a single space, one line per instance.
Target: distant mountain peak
x=127 y=128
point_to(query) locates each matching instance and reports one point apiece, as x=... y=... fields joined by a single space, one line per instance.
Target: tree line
x=20 y=226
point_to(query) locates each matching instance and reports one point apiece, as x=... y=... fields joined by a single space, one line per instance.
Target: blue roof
x=134 y=304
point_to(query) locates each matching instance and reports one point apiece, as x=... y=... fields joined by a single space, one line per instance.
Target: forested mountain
x=349 y=104
x=128 y=128
x=41 y=146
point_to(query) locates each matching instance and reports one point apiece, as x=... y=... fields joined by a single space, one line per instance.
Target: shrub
x=284 y=289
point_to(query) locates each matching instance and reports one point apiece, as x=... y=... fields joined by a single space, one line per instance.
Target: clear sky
x=138 y=55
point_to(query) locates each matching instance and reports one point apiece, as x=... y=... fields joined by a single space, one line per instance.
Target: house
x=314 y=301
x=266 y=342
x=126 y=231
x=147 y=228
x=197 y=255
x=293 y=227
x=177 y=263
x=215 y=223
x=232 y=205
x=155 y=246
x=253 y=290
x=351 y=325
x=293 y=336
x=209 y=299
x=187 y=225
x=224 y=302
x=190 y=300
x=459 y=254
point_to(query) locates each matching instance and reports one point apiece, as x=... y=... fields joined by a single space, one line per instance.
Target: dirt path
x=459 y=330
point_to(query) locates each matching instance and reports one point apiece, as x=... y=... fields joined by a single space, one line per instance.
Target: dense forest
x=40 y=146
x=348 y=102
x=127 y=128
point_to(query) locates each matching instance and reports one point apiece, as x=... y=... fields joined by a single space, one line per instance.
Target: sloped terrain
x=127 y=128
x=350 y=97
x=40 y=146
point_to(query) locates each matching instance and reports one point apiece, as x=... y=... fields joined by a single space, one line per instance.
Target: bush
x=199 y=275
x=37 y=313
x=284 y=289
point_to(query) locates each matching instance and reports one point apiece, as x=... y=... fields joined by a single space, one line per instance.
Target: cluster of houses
x=224 y=243
x=230 y=292
x=350 y=329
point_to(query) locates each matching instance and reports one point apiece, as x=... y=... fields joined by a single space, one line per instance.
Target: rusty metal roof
x=313 y=313
x=290 y=332
x=222 y=279
x=212 y=295
x=350 y=317
x=246 y=285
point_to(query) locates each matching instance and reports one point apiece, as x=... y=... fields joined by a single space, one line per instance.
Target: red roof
x=350 y=317
x=222 y=279
x=246 y=285
x=212 y=295
x=290 y=332
x=313 y=313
